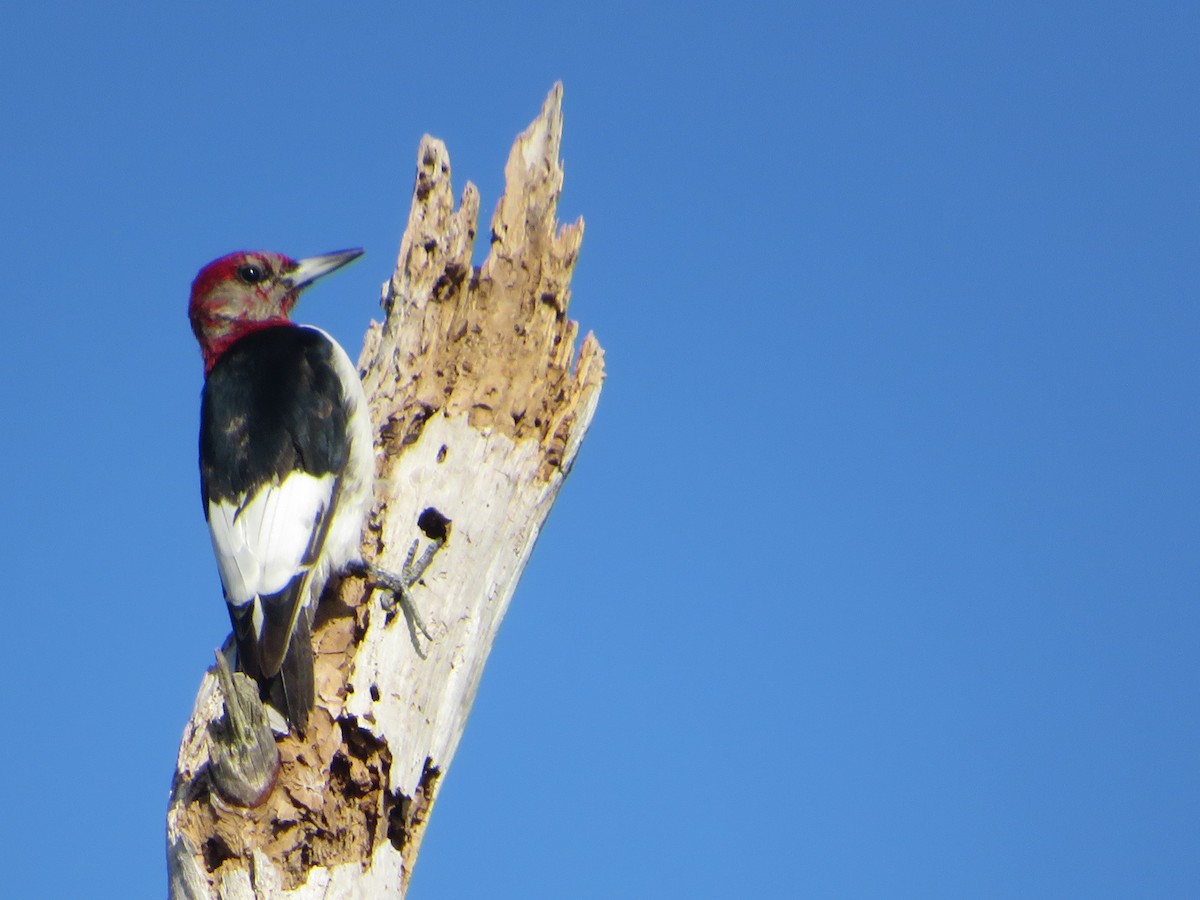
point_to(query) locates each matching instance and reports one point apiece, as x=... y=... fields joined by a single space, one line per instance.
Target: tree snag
x=479 y=405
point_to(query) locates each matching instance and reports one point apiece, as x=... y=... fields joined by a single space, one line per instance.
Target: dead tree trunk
x=480 y=406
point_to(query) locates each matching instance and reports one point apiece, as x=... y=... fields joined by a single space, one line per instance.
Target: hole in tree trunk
x=434 y=524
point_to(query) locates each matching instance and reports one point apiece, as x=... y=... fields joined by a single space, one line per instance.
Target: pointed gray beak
x=309 y=270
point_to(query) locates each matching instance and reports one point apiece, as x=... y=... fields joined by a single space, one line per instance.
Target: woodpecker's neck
x=214 y=342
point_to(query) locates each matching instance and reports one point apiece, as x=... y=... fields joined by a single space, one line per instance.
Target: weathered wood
x=480 y=404
x=245 y=760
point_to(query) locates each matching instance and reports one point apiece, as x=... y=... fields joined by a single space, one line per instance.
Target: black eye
x=251 y=274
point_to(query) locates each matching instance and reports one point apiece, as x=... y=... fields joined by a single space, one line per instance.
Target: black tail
x=296 y=673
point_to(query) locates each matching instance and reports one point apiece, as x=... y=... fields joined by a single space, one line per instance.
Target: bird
x=287 y=461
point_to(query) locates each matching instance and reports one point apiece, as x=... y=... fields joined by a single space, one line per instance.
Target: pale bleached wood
x=481 y=404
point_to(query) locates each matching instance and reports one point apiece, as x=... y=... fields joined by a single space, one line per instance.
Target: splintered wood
x=481 y=405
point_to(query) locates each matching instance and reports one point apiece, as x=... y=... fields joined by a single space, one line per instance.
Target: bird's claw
x=398 y=587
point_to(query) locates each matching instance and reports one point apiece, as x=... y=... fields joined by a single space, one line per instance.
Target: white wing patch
x=260 y=542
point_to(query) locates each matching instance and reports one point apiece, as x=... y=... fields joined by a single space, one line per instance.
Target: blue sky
x=877 y=575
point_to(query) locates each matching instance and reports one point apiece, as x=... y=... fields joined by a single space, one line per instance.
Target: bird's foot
x=398 y=587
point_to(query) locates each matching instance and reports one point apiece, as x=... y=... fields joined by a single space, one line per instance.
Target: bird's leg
x=398 y=586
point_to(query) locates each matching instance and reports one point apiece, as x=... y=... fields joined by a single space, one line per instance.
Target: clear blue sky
x=877 y=575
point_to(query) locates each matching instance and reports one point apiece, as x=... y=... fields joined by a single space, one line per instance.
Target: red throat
x=213 y=348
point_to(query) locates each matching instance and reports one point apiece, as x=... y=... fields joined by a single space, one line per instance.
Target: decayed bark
x=480 y=407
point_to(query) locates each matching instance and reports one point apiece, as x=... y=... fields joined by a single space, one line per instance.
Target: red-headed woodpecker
x=286 y=459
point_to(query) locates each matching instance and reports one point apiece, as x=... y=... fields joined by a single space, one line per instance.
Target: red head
x=248 y=290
